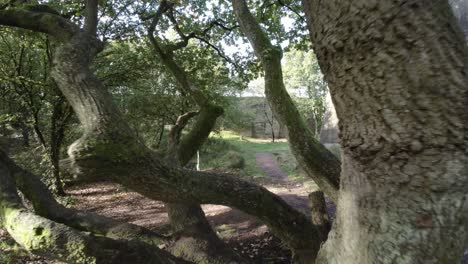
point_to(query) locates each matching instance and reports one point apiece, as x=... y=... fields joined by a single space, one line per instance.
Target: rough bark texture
x=318 y=163
x=319 y=215
x=110 y=150
x=397 y=72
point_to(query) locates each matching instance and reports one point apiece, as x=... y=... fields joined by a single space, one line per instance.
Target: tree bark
x=319 y=214
x=397 y=72
x=318 y=163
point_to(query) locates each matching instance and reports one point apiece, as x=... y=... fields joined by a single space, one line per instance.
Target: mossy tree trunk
x=45 y=205
x=397 y=72
x=45 y=237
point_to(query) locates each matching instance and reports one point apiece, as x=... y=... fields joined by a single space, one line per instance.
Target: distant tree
x=460 y=8
x=31 y=98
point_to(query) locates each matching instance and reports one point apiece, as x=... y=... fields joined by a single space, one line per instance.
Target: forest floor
x=241 y=231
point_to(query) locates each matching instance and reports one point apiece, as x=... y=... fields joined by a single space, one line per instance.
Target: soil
x=241 y=231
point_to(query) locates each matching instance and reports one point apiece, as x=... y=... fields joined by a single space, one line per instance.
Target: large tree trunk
x=397 y=74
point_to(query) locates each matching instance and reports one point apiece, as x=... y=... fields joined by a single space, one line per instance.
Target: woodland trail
x=267 y=162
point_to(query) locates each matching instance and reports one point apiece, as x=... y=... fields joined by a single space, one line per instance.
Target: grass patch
x=247 y=147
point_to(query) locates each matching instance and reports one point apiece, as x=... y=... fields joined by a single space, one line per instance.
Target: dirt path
x=269 y=165
x=241 y=231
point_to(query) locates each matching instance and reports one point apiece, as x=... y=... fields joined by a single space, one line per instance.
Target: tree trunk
x=397 y=75
x=59 y=121
x=319 y=214
x=197 y=240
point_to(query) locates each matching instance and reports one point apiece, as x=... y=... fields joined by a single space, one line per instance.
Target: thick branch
x=319 y=163
x=48 y=23
x=199 y=132
x=176 y=130
x=167 y=58
x=91 y=21
x=174 y=136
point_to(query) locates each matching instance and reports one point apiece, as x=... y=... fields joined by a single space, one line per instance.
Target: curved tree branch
x=52 y=24
x=46 y=206
x=47 y=238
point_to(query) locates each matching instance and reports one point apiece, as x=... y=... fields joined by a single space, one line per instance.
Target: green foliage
x=36 y=160
x=229 y=141
x=302 y=76
x=217 y=154
x=302 y=73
